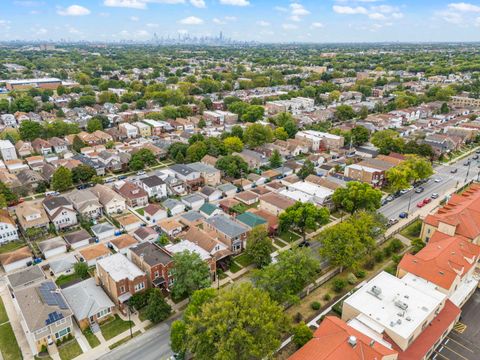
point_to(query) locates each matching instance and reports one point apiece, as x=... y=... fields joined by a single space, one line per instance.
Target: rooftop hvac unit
x=401 y=305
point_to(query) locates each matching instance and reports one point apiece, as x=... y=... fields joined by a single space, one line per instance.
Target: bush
x=338 y=285
x=301 y=334
x=392 y=270
x=298 y=317
x=315 y=305
x=396 y=245
x=360 y=273
x=387 y=251
x=352 y=279
x=337 y=308
x=396 y=259
x=327 y=297
x=378 y=256
x=139 y=300
x=369 y=263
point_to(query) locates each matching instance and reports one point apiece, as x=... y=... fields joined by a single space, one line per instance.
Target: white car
x=437 y=180
x=141 y=172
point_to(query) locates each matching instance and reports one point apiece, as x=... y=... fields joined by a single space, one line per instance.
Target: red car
x=421 y=204
x=427 y=201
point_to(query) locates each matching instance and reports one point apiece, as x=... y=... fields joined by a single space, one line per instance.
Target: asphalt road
x=152 y=345
x=447 y=182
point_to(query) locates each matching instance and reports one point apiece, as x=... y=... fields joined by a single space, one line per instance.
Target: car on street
x=427 y=201
x=419 y=189
x=392 y=222
x=466 y=163
x=434 y=196
x=403 y=215
x=420 y=204
x=404 y=191
x=475 y=157
x=437 y=180
x=453 y=171
x=140 y=173
x=390 y=198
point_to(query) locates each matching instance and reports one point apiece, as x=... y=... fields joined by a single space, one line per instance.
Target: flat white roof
x=186 y=245
x=319 y=134
x=6 y=144
x=119 y=267
x=396 y=304
x=296 y=195
x=312 y=189
x=363 y=168
x=29 y=81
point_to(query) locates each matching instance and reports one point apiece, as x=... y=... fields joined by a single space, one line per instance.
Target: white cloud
x=134 y=18
x=219 y=21
x=133 y=4
x=235 y=2
x=348 y=10
x=4 y=24
x=263 y=23
x=451 y=17
x=73 y=10
x=27 y=3
x=198 y=3
x=41 y=31
x=191 y=20
x=73 y=30
x=142 y=33
x=152 y=25
x=281 y=8
x=298 y=11
x=317 y=25
x=464 y=7
x=224 y=20
x=289 y=26
x=377 y=16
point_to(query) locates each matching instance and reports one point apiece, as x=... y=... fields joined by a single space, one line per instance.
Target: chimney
x=352 y=340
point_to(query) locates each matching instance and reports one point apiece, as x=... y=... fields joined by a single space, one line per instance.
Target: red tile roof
x=442 y=259
x=432 y=333
x=461 y=211
x=330 y=342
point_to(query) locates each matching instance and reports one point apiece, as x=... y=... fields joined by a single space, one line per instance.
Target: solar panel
x=53 y=317
x=49 y=294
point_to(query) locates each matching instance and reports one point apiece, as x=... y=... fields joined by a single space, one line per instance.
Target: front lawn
x=3 y=313
x=243 y=260
x=140 y=211
x=234 y=267
x=91 y=338
x=288 y=236
x=279 y=243
x=11 y=246
x=114 y=327
x=413 y=230
x=8 y=343
x=69 y=350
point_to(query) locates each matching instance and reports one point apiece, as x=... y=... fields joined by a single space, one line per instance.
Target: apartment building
x=7 y=149
x=318 y=141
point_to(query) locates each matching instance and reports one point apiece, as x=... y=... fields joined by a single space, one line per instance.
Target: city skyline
x=241 y=20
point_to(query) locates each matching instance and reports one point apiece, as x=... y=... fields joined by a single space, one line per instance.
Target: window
x=122 y=289
x=103 y=313
x=139 y=286
x=62 y=333
x=156 y=274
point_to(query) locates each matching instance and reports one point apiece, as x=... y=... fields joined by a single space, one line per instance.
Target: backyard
x=114 y=327
x=11 y=246
x=413 y=230
x=66 y=279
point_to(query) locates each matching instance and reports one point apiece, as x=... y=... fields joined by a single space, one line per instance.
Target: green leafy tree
x=276 y=159
x=302 y=217
x=360 y=135
x=421 y=168
x=308 y=168
x=233 y=144
x=241 y=323
x=30 y=130
x=190 y=273
x=232 y=165
x=284 y=279
x=253 y=113
x=94 y=124
x=157 y=308
x=141 y=159
x=285 y=120
x=178 y=335
x=356 y=196
x=399 y=178
x=417 y=245
x=3 y=202
x=237 y=131
x=345 y=112
x=280 y=133
x=83 y=173
x=62 y=179
x=257 y=135
x=81 y=269
x=259 y=246
x=301 y=334
x=202 y=123
x=8 y=194
x=177 y=148
x=196 y=151
x=388 y=141
x=78 y=144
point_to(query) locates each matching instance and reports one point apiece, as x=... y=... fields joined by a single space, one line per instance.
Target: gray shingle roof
x=227 y=226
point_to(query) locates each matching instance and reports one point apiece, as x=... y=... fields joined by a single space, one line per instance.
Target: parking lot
x=463 y=343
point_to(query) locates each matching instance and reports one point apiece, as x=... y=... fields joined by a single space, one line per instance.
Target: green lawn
x=243 y=260
x=124 y=340
x=65 y=279
x=234 y=267
x=70 y=350
x=3 y=313
x=91 y=338
x=47 y=357
x=413 y=230
x=11 y=246
x=140 y=211
x=141 y=315
x=279 y=243
x=288 y=236
x=8 y=343
x=114 y=327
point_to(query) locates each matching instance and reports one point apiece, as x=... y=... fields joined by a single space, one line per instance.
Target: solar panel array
x=53 y=317
x=49 y=294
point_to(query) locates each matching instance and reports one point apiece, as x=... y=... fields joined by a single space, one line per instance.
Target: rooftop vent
x=408 y=318
x=401 y=305
x=352 y=340
x=375 y=291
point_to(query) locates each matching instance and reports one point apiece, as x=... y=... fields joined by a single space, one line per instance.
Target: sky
x=320 y=21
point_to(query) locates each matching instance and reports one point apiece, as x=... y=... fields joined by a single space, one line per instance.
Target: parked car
x=420 y=204
x=403 y=215
x=475 y=157
x=141 y=172
x=434 y=196
x=466 y=163
x=392 y=222
x=419 y=190
x=437 y=180
x=122 y=177
x=427 y=201
x=404 y=191
x=390 y=198
x=453 y=171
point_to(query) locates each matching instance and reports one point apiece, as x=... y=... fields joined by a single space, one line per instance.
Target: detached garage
x=16 y=259
x=53 y=247
x=104 y=230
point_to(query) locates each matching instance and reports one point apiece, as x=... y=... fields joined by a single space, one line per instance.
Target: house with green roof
x=209 y=210
x=251 y=220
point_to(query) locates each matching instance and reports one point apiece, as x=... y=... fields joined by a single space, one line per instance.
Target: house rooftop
x=185 y=245
x=119 y=267
x=227 y=226
x=152 y=254
x=26 y=276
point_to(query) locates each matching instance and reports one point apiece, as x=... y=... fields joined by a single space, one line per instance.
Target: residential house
x=228 y=231
x=247 y=197
x=86 y=203
x=122 y=243
x=77 y=239
x=26 y=277
x=275 y=203
x=153 y=213
x=111 y=201
x=192 y=218
x=171 y=227
x=120 y=278
x=156 y=262
x=227 y=189
x=8 y=151
x=30 y=178
x=44 y=315
x=60 y=212
x=210 y=193
x=209 y=160
x=128 y=130
x=59 y=145
x=129 y=222
x=254 y=159
x=143 y=129
x=89 y=303
x=251 y=220
x=63 y=265
x=36 y=163
x=52 y=247
x=211 y=176
x=16 y=259
x=31 y=215
x=41 y=146
x=189 y=176
x=143 y=234
x=185 y=245
x=93 y=253
x=134 y=195
x=320 y=141
x=154 y=186
x=209 y=210
x=173 y=206
x=8 y=227
x=103 y=230
x=24 y=148
x=193 y=201
x=217 y=249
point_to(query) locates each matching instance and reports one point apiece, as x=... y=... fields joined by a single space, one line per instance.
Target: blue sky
x=259 y=20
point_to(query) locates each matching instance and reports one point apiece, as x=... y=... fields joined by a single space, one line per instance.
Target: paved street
x=448 y=181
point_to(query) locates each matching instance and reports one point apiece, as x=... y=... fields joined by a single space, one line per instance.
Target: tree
x=302 y=217
x=232 y=165
x=8 y=194
x=345 y=112
x=233 y=144
x=360 y=135
x=280 y=133
x=78 y=144
x=94 y=124
x=276 y=159
x=241 y=323
x=284 y=279
x=62 y=179
x=81 y=269
x=30 y=130
x=237 y=131
x=363 y=112
x=398 y=178
x=420 y=167
x=341 y=245
x=157 y=308
x=257 y=135
x=285 y=120
x=202 y=123
x=388 y=141
x=357 y=196
x=253 y=113
x=142 y=158
x=308 y=168
x=259 y=246
x=178 y=334
x=190 y=273
x=196 y=151
x=301 y=334
x=417 y=245
x=177 y=148
x=83 y=173
x=444 y=109
x=414 y=168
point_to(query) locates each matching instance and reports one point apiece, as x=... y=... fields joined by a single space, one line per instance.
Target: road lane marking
x=455 y=341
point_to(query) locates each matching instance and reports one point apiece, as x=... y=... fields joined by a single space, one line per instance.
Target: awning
x=159 y=281
x=124 y=297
